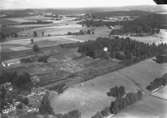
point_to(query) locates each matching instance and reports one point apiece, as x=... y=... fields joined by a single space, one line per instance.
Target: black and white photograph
x=83 y=59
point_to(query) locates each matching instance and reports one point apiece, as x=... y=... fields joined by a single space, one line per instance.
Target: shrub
x=36 y=48
x=43 y=59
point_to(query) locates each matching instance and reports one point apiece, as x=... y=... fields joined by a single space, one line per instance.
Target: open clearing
x=24 y=44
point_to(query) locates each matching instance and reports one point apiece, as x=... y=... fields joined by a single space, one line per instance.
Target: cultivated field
x=90 y=97
x=99 y=32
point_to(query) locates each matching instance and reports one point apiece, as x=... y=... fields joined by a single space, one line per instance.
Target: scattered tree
x=36 y=48
x=45 y=107
x=35 y=34
x=117 y=92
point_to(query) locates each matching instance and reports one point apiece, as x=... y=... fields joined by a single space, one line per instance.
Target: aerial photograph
x=83 y=59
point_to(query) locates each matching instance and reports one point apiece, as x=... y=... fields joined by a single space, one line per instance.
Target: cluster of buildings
x=34 y=99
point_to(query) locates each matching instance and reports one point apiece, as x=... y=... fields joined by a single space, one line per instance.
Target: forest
x=147 y=24
x=11 y=84
x=120 y=48
x=6 y=32
x=21 y=81
x=103 y=14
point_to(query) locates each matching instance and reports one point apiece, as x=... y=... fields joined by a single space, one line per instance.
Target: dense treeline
x=119 y=13
x=7 y=31
x=3 y=35
x=11 y=84
x=20 y=81
x=121 y=103
x=37 y=22
x=102 y=15
x=160 y=1
x=81 y=32
x=120 y=48
x=162 y=58
x=98 y=23
x=45 y=106
x=147 y=24
x=117 y=92
x=156 y=83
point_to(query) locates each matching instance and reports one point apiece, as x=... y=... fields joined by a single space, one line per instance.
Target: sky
x=19 y=4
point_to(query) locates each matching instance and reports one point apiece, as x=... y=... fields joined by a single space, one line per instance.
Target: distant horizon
x=65 y=8
x=114 y=8
x=70 y=4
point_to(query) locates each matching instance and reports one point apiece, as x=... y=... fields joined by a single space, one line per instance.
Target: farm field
x=89 y=97
x=53 y=29
x=62 y=66
x=24 y=44
x=149 y=107
x=144 y=72
x=6 y=21
x=93 y=92
x=99 y=32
